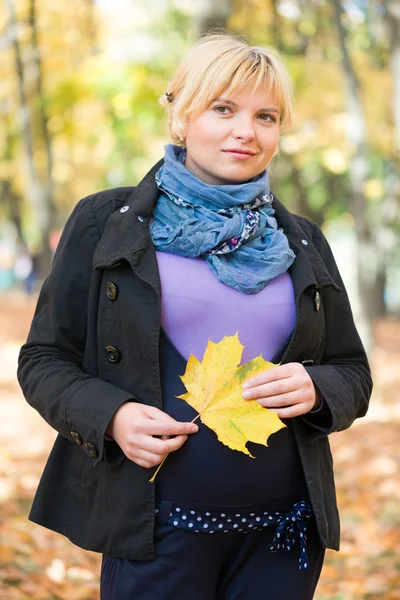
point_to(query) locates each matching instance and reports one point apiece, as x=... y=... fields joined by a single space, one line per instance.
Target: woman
x=106 y=349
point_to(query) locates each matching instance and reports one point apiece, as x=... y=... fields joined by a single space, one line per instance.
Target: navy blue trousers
x=197 y=566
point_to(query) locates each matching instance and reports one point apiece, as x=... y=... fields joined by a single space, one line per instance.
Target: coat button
x=317 y=300
x=77 y=438
x=112 y=291
x=307 y=363
x=91 y=450
x=112 y=354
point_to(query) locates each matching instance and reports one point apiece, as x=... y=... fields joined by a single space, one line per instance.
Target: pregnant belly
x=204 y=470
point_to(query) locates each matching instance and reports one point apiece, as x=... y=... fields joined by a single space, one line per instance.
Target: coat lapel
x=126 y=234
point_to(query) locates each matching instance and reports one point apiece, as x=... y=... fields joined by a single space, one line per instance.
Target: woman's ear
x=183 y=132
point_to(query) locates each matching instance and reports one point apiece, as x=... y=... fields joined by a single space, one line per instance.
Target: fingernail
x=194 y=428
x=246 y=394
x=246 y=385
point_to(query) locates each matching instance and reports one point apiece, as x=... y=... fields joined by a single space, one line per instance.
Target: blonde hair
x=221 y=62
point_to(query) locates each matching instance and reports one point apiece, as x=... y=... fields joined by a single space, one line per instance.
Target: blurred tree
x=47 y=47
x=392 y=18
x=210 y=15
x=34 y=191
x=371 y=288
x=339 y=157
x=47 y=224
x=90 y=80
x=10 y=201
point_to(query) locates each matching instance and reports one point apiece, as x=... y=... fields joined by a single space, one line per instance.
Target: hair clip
x=169 y=96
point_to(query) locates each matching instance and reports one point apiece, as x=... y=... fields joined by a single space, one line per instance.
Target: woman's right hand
x=133 y=427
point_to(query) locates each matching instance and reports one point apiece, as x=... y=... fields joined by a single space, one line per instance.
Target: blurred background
x=79 y=88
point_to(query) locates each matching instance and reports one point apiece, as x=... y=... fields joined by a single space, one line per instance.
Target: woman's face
x=234 y=139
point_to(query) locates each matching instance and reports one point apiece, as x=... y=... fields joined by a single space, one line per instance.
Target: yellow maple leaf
x=214 y=389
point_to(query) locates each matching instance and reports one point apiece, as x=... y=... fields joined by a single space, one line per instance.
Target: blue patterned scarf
x=231 y=226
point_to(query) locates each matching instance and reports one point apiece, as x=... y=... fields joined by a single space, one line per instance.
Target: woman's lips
x=239 y=155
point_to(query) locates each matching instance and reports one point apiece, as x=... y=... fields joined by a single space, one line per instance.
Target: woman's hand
x=287 y=390
x=133 y=427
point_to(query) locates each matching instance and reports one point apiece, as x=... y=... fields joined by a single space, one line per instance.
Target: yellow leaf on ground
x=214 y=389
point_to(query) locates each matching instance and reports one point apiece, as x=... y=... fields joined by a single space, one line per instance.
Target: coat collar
x=126 y=232
x=126 y=236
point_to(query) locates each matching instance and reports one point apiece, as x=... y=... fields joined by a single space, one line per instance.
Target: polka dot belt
x=288 y=525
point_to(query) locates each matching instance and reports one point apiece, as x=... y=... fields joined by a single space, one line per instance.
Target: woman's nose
x=243 y=130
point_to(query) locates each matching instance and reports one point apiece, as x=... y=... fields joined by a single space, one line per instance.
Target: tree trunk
x=8 y=198
x=212 y=14
x=391 y=201
x=276 y=26
x=48 y=187
x=373 y=295
x=358 y=173
x=91 y=28
x=12 y=204
x=35 y=196
x=392 y=18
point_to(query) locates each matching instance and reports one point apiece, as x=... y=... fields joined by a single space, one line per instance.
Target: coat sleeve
x=343 y=377
x=50 y=362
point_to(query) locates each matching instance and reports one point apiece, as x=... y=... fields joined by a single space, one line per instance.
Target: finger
x=274 y=388
x=172 y=427
x=176 y=442
x=290 y=412
x=162 y=447
x=280 y=372
x=280 y=401
x=146 y=459
x=158 y=415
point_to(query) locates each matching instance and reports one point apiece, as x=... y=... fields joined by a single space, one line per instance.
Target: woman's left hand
x=287 y=390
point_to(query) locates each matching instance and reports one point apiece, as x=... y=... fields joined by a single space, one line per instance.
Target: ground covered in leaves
x=38 y=564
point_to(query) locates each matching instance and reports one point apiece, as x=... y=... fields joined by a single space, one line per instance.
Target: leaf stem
x=165 y=457
x=158 y=468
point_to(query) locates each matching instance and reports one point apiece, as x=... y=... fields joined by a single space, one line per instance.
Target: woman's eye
x=267 y=117
x=221 y=109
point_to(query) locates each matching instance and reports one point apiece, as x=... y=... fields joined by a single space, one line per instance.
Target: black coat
x=94 y=344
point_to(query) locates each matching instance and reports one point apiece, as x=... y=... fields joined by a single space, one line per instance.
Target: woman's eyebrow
x=267 y=108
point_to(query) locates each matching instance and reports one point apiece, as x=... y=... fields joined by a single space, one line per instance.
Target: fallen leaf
x=56 y=571
x=214 y=389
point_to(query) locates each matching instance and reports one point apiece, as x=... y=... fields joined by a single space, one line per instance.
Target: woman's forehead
x=264 y=94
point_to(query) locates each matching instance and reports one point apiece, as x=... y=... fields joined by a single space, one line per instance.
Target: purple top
x=196 y=307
